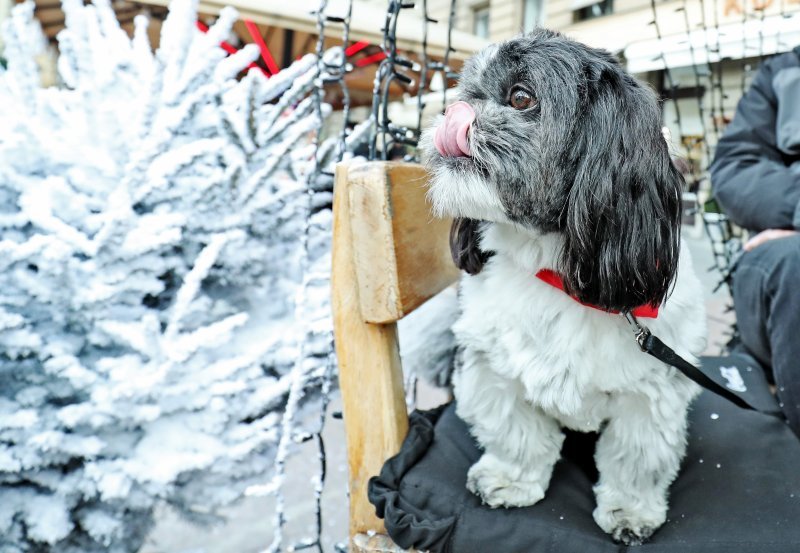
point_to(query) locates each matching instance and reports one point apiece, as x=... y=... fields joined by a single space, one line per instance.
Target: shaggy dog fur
x=574 y=176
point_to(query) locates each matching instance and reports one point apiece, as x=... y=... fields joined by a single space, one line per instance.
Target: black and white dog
x=567 y=211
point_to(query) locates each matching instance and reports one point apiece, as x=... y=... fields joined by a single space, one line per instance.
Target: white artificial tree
x=156 y=227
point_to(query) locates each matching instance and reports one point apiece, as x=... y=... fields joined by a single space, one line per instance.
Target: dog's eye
x=519 y=98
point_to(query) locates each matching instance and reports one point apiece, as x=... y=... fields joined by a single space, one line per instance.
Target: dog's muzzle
x=452 y=136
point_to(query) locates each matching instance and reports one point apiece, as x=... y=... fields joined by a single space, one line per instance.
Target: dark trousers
x=766 y=295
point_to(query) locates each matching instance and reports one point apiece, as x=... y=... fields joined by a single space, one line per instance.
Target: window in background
x=531 y=14
x=589 y=9
x=480 y=18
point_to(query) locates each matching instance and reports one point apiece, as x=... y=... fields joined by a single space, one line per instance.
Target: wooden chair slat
x=389 y=256
x=370 y=374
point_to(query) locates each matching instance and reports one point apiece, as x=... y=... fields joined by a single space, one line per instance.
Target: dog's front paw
x=502 y=484
x=630 y=536
x=629 y=525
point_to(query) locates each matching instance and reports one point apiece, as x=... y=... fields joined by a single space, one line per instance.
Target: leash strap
x=651 y=344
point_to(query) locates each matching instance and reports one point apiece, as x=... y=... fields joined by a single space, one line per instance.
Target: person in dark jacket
x=756 y=179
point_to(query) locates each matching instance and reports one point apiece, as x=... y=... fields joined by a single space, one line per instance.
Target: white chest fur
x=571 y=361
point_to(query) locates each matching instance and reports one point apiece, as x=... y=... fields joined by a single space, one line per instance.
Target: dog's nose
x=452 y=136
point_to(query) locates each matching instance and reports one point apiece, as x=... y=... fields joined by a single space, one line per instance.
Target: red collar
x=553 y=279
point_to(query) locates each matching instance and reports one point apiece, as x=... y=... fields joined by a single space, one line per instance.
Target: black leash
x=651 y=344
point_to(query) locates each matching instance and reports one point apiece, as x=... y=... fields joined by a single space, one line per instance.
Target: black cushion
x=738 y=490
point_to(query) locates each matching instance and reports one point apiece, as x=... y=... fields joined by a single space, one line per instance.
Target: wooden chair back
x=390 y=254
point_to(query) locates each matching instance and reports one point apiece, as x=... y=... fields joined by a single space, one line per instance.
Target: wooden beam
x=50 y=16
x=288 y=48
x=48 y=6
x=370 y=374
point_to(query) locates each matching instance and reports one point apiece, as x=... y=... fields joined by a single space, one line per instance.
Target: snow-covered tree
x=155 y=230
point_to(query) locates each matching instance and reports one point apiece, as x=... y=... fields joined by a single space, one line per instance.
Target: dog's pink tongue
x=452 y=136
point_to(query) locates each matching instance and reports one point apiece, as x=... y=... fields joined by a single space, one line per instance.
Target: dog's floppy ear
x=622 y=219
x=465 y=236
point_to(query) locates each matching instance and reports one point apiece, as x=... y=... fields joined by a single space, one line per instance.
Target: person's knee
x=764 y=276
x=777 y=260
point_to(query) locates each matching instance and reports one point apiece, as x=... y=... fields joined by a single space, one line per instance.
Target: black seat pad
x=738 y=491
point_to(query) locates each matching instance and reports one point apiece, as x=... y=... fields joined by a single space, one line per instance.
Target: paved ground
x=249 y=528
x=717 y=303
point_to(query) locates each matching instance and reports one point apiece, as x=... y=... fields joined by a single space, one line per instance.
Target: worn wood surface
x=402 y=253
x=370 y=375
x=377 y=543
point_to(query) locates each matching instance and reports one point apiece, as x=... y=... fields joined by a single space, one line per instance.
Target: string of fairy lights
x=412 y=77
